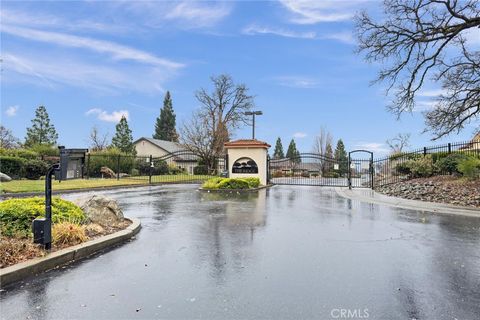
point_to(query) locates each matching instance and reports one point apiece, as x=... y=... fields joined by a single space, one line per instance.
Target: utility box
x=72 y=164
x=41 y=228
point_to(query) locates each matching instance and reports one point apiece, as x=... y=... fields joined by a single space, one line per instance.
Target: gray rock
x=100 y=209
x=4 y=177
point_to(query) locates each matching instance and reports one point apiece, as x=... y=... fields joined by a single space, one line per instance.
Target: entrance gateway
x=249 y=158
x=314 y=169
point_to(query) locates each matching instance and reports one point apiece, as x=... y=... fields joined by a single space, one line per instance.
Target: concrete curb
x=378 y=198
x=28 y=268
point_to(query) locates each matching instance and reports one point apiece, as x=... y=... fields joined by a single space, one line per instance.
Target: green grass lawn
x=17 y=186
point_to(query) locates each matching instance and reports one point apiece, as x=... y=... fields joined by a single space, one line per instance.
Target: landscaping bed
x=71 y=226
x=442 y=189
x=231 y=184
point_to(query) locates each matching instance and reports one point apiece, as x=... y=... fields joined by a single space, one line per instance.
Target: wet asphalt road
x=284 y=253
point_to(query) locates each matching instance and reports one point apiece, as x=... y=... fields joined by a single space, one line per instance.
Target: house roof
x=250 y=143
x=168 y=146
x=172 y=148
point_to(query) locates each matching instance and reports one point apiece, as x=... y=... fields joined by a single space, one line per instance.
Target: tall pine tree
x=292 y=153
x=41 y=131
x=123 y=139
x=165 y=125
x=278 y=152
x=341 y=157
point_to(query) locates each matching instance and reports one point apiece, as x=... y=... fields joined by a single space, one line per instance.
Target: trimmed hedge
x=16 y=215
x=20 y=153
x=231 y=183
x=12 y=166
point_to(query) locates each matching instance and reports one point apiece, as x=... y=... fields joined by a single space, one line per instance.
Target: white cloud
x=117 y=51
x=301 y=82
x=43 y=70
x=431 y=93
x=184 y=14
x=300 y=135
x=11 y=111
x=311 y=12
x=375 y=147
x=254 y=30
x=103 y=115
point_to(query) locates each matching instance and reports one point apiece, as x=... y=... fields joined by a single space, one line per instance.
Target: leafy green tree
x=41 y=131
x=165 y=125
x=292 y=153
x=278 y=153
x=341 y=157
x=123 y=139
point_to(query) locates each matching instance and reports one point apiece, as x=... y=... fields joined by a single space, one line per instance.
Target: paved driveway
x=289 y=252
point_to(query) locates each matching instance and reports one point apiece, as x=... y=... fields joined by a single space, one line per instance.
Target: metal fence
x=177 y=167
x=395 y=168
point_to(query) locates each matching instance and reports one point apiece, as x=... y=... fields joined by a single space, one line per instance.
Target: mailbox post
x=71 y=166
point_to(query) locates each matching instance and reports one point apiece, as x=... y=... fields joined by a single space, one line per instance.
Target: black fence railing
x=177 y=167
x=427 y=161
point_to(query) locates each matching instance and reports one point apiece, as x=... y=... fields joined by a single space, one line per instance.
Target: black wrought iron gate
x=312 y=169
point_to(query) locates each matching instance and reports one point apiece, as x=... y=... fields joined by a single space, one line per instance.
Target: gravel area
x=443 y=189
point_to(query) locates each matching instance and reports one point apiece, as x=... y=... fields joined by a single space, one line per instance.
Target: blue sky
x=90 y=62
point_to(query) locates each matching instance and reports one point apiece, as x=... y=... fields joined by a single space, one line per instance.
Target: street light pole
x=253 y=114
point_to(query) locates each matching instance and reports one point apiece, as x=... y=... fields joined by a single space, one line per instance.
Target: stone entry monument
x=247 y=159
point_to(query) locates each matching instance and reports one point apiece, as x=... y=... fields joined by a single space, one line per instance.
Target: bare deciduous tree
x=320 y=146
x=98 y=141
x=398 y=143
x=196 y=136
x=426 y=40
x=223 y=109
x=7 y=139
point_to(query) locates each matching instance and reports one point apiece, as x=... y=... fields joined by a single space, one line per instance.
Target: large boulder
x=100 y=209
x=4 y=177
x=107 y=172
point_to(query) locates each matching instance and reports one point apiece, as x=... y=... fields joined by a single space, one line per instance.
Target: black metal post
x=48 y=205
x=150 y=171
x=449 y=148
x=372 y=170
x=88 y=166
x=349 y=172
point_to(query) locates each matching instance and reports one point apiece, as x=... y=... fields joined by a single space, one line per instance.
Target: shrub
x=45 y=150
x=277 y=174
x=67 y=233
x=449 y=163
x=422 y=167
x=12 y=166
x=173 y=169
x=470 y=168
x=252 y=182
x=403 y=168
x=20 y=153
x=16 y=215
x=305 y=174
x=34 y=169
x=200 y=170
x=231 y=183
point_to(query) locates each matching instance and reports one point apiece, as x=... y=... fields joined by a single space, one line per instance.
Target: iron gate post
x=150 y=171
x=349 y=172
x=372 y=171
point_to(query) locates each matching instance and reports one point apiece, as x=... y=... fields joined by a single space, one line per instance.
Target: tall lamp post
x=253 y=114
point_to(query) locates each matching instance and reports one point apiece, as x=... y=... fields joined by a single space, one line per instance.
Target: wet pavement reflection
x=282 y=253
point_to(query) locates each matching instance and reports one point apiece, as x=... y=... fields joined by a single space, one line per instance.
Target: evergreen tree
x=329 y=155
x=123 y=139
x=165 y=125
x=41 y=131
x=292 y=153
x=341 y=157
x=278 y=153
